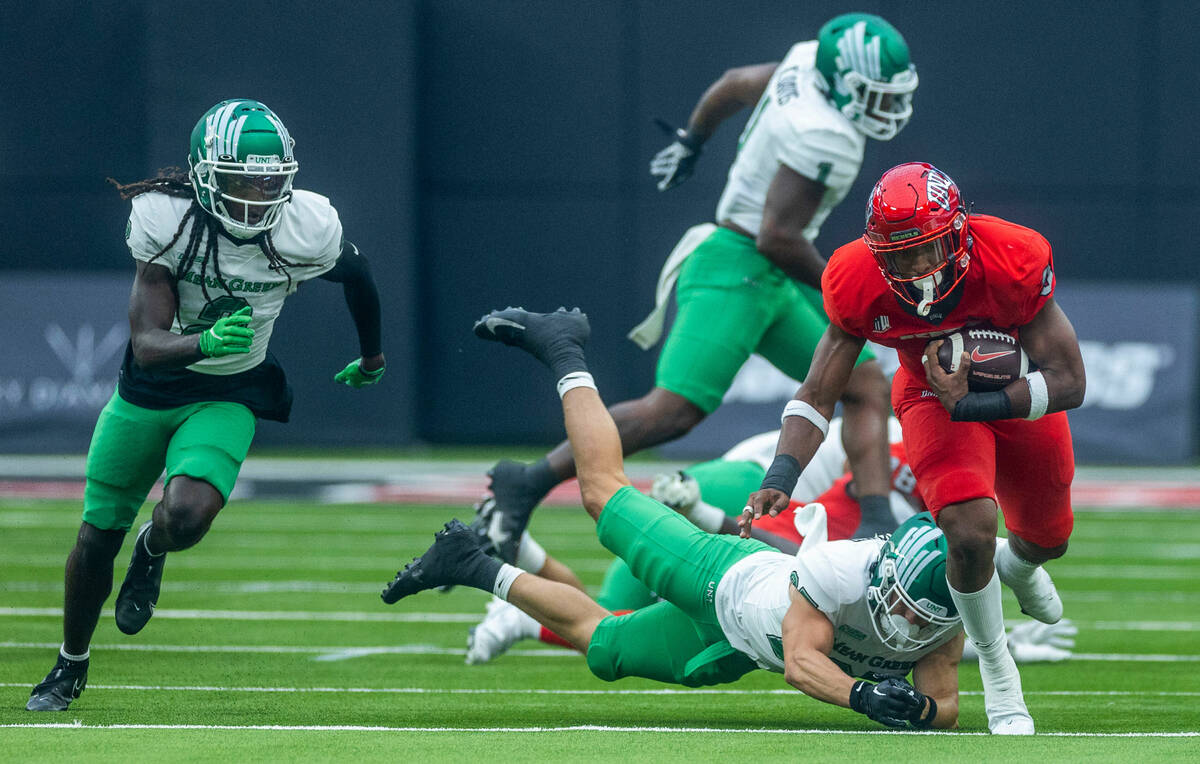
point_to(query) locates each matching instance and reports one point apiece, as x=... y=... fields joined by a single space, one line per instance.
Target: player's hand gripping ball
x=996 y=358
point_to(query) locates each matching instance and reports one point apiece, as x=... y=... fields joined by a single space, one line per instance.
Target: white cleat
x=1002 y=696
x=1036 y=595
x=502 y=627
x=1011 y=724
x=678 y=491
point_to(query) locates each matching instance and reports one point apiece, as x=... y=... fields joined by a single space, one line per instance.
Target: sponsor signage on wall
x=64 y=337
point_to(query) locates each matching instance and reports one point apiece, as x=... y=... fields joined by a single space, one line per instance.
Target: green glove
x=356 y=376
x=228 y=336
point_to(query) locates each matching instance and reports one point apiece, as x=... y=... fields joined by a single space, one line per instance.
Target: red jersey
x=1010 y=278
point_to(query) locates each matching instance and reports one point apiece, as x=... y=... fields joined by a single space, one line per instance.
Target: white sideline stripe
x=341 y=653
x=268 y=615
x=578 y=728
x=535 y=691
x=419 y=617
x=359 y=587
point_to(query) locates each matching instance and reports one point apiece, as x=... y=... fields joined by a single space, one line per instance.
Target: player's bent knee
x=596 y=490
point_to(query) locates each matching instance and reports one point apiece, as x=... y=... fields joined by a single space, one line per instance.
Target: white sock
x=504 y=580
x=1010 y=567
x=706 y=517
x=63 y=652
x=983 y=618
x=531 y=556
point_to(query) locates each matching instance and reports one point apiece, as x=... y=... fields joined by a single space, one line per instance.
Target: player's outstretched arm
x=735 y=90
x=353 y=272
x=936 y=677
x=805 y=421
x=807 y=641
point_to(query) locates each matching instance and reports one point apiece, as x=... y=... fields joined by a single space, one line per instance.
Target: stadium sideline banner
x=1139 y=345
x=64 y=337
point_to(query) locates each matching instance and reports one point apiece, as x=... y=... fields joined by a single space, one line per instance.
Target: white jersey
x=308 y=235
x=827 y=465
x=794 y=124
x=754 y=594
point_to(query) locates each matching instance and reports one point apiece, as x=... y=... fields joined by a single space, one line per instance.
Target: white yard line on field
x=538 y=691
x=578 y=728
x=424 y=617
x=346 y=652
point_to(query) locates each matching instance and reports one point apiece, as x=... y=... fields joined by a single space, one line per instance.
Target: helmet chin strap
x=927 y=285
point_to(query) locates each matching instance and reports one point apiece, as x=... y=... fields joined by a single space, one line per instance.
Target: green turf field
x=271 y=643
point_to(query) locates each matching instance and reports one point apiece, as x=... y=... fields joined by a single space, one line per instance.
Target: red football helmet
x=917 y=229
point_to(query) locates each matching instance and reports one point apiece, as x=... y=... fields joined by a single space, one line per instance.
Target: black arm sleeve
x=353 y=272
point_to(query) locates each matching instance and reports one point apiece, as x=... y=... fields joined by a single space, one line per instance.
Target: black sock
x=479 y=571
x=565 y=358
x=540 y=478
x=876 y=517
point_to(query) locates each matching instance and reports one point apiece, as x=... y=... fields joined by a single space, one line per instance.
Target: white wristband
x=1039 y=396
x=573 y=380
x=802 y=409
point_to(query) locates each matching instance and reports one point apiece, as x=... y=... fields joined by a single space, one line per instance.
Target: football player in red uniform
x=924 y=268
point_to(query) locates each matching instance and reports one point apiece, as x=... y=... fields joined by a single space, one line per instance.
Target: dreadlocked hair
x=174 y=181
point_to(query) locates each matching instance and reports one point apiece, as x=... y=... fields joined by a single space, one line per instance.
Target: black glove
x=673 y=165
x=893 y=702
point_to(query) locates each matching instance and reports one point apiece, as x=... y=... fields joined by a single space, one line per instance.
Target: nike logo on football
x=977 y=357
x=492 y=322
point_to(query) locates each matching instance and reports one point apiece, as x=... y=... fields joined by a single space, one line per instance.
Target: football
x=996 y=357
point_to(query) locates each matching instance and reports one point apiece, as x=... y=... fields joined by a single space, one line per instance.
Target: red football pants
x=1026 y=467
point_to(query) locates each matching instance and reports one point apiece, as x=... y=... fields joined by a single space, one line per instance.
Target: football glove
x=1031 y=642
x=356 y=376
x=230 y=335
x=893 y=702
x=674 y=164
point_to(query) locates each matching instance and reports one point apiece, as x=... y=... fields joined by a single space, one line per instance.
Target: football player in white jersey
x=217 y=251
x=845 y=625
x=750 y=283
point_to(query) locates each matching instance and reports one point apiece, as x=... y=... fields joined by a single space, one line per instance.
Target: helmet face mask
x=909 y=582
x=868 y=76
x=917 y=230
x=242 y=166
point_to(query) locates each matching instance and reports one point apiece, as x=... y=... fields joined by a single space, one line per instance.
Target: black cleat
x=139 y=592
x=556 y=339
x=63 y=684
x=456 y=557
x=505 y=515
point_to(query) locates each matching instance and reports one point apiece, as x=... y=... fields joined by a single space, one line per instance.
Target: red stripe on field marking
x=455 y=488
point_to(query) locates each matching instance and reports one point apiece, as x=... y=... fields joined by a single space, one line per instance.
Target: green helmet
x=241 y=166
x=868 y=75
x=910 y=574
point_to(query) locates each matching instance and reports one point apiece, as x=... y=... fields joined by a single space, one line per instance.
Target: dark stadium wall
x=486 y=152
